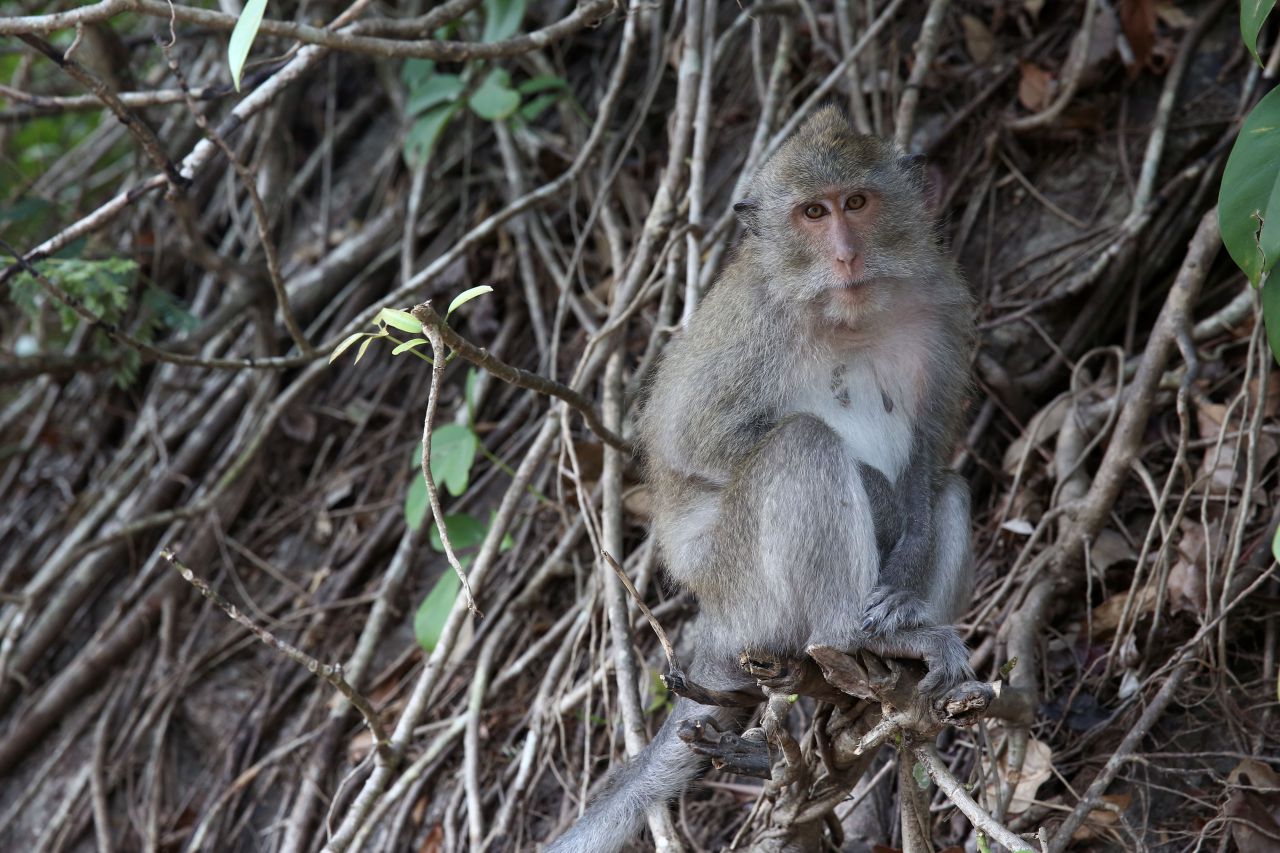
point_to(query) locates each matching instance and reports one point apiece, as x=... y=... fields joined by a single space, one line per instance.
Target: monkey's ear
x=914 y=166
x=748 y=210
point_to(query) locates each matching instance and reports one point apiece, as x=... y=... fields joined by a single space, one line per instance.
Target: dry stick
x=480 y=357
x=433 y=493
x=260 y=215
x=331 y=673
x=348 y=40
x=1164 y=107
x=626 y=665
x=374 y=786
x=937 y=769
x=137 y=128
x=1123 y=447
x=667 y=648
x=41 y=105
x=1076 y=61
x=702 y=59
x=359 y=810
x=926 y=48
x=1118 y=758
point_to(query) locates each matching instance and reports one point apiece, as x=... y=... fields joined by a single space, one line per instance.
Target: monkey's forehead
x=819 y=172
x=826 y=152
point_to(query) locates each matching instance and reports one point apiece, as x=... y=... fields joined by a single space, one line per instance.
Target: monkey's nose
x=850 y=267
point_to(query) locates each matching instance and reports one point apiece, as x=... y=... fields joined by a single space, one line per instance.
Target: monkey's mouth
x=854 y=284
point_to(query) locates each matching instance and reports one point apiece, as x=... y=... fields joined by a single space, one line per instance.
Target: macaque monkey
x=796 y=440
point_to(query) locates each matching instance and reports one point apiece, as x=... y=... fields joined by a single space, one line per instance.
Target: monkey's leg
x=658 y=774
x=796 y=545
x=921 y=592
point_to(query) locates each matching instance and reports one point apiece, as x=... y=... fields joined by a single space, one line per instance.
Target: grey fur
x=795 y=440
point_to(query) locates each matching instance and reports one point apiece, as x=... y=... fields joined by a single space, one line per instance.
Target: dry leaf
x=1173 y=17
x=1219 y=463
x=1035 y=89
x=1138 y=20
x=434 y=842
x=1272 y=405
x=359 y=746
x=1020 y=526
x=1100 y=819
x=1110 y=548
x=1106 y=616
x=1185 y=587
x=978 y=40
x=1037 y=768
x=1257 y=812
x=1043 y=426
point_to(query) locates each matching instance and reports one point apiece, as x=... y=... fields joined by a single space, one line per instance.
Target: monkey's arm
x=924 y=580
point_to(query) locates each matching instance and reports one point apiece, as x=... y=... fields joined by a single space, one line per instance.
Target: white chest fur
x=870 y=402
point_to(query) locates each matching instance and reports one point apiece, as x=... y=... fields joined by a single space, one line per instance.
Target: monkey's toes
x=890 y=610
x=964 y=704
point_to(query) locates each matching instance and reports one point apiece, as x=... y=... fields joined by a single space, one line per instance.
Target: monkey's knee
x=799 y=447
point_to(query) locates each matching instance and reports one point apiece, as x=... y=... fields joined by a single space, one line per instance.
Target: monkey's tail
x=657 y=775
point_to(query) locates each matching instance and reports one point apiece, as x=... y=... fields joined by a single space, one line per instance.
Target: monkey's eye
x=857 y=201
x=814 y=211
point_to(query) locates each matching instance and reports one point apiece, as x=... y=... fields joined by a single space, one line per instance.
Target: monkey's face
x=848 y=251
x=839 y=222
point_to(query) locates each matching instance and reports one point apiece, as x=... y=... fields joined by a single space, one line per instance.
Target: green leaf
x=535 y=107
x=364 y=346
x=983 y=846
x=921 y=776
x=246 y=30
x=1271 y=314
x=495 y=100
x=416 y=502
x=345 y=345
x=542 y=83
x=501 y=19
x=1247 y=186
x=1269 y=234
x=414 y=72
x=434 y=90
x=426 y=131
x=402 y=320
x=1253 y=14
x=409 y=344
x=465 y=531
x=466 y=296
x=453 y=450
x=433 y=612
x=469 y=393
x=1275 y=540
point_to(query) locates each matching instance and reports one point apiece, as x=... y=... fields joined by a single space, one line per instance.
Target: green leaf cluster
x=106 y=289
x=434 y=98
x=466 y=532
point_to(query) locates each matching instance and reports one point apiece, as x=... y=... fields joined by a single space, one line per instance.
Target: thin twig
x=332 y=673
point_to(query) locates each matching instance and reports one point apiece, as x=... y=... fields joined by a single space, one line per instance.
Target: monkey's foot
x=966 y=704
x=746 y=755
x=939 y=646
x=890 y=609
